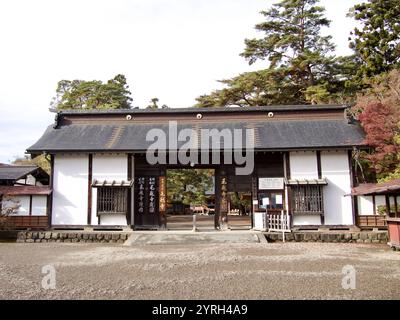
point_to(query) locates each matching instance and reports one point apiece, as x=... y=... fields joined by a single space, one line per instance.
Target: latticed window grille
x=307 y=199
x=112 y=200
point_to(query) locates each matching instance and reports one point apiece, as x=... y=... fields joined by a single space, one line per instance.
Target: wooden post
x=129 y=196
x=217 y=198
x=30 y=205
x=50 y=200
x=90 y=174
x=194 y=223
x=354 y=201
x=387 y=205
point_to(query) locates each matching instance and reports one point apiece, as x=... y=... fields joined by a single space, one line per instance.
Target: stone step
x=194 y=238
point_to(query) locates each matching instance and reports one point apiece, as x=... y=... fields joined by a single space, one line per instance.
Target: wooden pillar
x=354 y=202
x=30 y=205
x=217 y=198
x=50 y=198
x=129 y=196
x=387 y=199
x=374 y=204
x=288 y=190
x=90 y=176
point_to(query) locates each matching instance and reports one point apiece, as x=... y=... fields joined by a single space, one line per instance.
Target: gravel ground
x=208 y=271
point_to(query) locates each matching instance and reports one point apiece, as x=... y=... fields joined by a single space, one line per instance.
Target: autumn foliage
x=379 y=113
x=380 y=123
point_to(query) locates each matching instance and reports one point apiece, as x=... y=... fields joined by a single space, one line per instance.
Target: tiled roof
x=11 y=172
x=24 y=190
x=274 y=135
x=392 y=186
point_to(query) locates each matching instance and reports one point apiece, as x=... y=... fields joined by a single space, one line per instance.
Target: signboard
x=152 y=195
x=163 y=194
x=141 y=186
x=270 y=183
x=146 y=195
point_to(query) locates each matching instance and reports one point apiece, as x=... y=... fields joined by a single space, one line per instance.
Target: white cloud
x=171 y=49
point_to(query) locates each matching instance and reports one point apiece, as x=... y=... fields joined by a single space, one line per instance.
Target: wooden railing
x=278 y=221
x=371 y=221
x=27 y=222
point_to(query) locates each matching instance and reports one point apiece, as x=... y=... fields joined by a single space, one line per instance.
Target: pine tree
x=377 y=42
x=301 y=67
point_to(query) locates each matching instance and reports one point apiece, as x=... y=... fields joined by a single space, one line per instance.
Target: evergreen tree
x=377 y=42
x=79 y=94
x=301 y=67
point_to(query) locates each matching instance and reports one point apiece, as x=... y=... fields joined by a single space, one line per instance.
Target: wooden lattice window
x=112 y=200
x=307 y=199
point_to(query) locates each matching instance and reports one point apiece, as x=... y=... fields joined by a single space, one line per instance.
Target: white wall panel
x=337 y=206
x=303 y=165
x=39 y=204
x=70 y=190
x=306 y=220
x=365 y=205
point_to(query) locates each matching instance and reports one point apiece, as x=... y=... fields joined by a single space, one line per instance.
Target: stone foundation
x=309 y=236
x=121 y=236
x=66 y=236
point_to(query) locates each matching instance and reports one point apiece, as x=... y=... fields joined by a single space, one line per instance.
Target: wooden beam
x=90 y=176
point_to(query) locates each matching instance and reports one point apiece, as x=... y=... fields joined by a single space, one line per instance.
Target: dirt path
x=217 y=271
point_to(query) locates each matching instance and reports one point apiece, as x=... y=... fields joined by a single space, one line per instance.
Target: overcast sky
x=171 y=49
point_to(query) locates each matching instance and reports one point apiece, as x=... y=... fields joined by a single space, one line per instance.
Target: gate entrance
x=190 y=192
x=167 y=196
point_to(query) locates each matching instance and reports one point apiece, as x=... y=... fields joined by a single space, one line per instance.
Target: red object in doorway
x=394 y=231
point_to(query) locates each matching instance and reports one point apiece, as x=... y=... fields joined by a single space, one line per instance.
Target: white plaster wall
x=70 y=189
x=108 y=167
x=39 y=204
x=113 y=220
x=335 y=167
x=306 y=220
x=365 y=205
x=22 y=201
x=303 y=165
